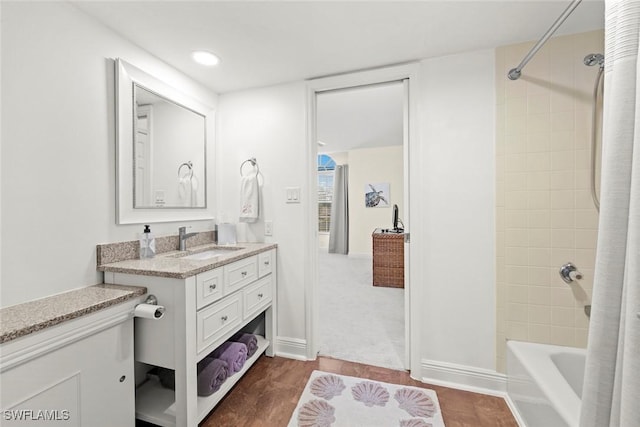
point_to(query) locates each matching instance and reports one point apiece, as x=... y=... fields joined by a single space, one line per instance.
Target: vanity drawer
x=218 y=319
x=257 y=296
x=209 y=287
x=265 y=263
x=239 y=274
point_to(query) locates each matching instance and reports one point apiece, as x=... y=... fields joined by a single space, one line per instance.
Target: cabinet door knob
x=244 y=273
x=122 y=378
x=260 y=295
x=224 y=318
x=212 y=287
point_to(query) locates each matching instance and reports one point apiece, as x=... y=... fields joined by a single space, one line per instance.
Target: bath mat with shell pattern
x=331 y=400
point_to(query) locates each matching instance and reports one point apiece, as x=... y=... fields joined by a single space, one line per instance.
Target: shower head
x=593 y=59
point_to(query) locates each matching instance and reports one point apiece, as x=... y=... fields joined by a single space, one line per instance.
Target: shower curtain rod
x=515 y=73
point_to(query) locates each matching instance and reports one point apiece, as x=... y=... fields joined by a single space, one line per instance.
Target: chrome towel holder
x=188 y=165
x=253 y=163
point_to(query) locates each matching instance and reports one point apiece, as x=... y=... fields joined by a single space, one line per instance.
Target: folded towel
x=249 y=198
x=211 y=374
x=249 y=340
x=234 y=353
x=167 y=377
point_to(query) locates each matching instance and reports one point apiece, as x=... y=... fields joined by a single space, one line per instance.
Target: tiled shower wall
x=545 y=216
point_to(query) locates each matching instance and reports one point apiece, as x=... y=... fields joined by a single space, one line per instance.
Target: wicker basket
x=388 y=259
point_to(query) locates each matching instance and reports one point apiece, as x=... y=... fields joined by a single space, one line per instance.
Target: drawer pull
x=260 y=295
x=266 y=263
x=244 y=273
x=224 y=318
x=212 y=287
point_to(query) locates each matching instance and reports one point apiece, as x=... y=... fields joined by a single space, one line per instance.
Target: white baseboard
x=463 y=377
x=291 y=348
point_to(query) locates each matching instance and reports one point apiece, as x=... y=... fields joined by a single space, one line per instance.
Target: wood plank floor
x=268 y=394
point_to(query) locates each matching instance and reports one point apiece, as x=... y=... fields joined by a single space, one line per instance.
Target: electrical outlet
x=268 y=228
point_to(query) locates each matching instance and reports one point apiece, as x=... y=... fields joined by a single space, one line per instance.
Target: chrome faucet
x=182 y=238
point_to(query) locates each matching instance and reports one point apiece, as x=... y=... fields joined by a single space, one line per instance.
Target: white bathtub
x=545 y=383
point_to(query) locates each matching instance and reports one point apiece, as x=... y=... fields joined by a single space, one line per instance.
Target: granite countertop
x=23 y=319
x=172 y=264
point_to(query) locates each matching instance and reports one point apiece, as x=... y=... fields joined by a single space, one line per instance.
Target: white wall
x=370 y=166
x=176 y=141
x=58 y=173
x=456 y=213
x=270 y=125
x=58 y=146
x=457 y=122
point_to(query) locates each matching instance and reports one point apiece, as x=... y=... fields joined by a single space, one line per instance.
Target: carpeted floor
x=359 y=322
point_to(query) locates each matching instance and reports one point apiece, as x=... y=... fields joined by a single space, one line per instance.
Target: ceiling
x=363 y=117
x=269 y=42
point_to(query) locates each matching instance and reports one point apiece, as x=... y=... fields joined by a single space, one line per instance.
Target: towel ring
x=253 y=162
x=188 y=165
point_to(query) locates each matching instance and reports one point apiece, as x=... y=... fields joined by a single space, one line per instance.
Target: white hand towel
x=194 y=191
x=249 y=200
x=184 y=191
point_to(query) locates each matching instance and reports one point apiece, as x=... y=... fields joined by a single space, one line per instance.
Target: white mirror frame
x=126 y=76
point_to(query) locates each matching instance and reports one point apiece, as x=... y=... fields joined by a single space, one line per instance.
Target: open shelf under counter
x=156 y=404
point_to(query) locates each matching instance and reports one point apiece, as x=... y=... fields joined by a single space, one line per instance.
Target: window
x=326 y=166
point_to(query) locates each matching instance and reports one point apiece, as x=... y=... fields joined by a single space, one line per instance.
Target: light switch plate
x=268 y=228
x=292 y=194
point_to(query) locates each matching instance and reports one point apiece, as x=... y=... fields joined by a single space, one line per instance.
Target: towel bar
x=253 y=162
x=189 y=165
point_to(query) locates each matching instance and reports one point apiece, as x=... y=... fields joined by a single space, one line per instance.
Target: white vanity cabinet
x=202 y=312
x=79 y=373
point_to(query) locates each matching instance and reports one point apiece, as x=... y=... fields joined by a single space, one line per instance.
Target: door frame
x=411 y=148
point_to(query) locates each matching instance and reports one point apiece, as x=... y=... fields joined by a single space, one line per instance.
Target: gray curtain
x=612 y=374
x=339 y=228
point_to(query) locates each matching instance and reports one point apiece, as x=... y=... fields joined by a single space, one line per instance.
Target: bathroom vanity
x=68 y=359
x=210 y=293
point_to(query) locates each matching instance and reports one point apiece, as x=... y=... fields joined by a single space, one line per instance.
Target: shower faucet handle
x=569 y=273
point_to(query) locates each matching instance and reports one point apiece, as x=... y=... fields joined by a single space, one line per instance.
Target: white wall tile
x=540 y=295
x=516 y=218
x=539 y=140
x=547 y=194
x=562 y=121
x=562 y=199
x=539 y=199
x=538 y=276
x=562 y=140
x=540 y=238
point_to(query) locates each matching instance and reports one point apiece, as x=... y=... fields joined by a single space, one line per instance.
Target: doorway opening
x=361 y=137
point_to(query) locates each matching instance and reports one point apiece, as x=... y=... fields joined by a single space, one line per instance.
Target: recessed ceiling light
x=205 y=58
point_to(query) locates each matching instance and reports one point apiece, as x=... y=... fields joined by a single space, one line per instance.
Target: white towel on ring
x=249 y=198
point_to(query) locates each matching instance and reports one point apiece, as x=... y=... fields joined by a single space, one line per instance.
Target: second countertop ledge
x=32 y=316
x=174 y=265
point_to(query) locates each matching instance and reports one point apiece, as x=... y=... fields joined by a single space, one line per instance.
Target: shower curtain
x=612 y=374
x=339 y=229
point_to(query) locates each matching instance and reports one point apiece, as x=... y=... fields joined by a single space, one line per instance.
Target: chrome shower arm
x=515 y=73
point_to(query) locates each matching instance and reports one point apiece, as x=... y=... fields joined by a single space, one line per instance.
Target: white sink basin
x=208 y=254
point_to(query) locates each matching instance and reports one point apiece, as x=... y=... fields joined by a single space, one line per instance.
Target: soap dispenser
x=147 y=243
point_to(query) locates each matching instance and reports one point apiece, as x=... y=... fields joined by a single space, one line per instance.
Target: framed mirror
x=162 y=150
